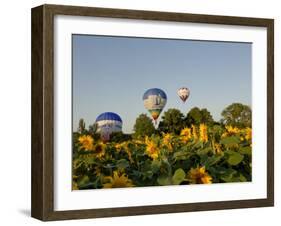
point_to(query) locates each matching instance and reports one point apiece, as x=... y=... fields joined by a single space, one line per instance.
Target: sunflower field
x=198 y=155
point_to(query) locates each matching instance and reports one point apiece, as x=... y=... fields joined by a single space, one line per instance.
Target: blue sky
x=112 y=73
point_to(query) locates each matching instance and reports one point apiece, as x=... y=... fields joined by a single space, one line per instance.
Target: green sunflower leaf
x=204 y=151
x=178 y=176
x=164 y=180
x=122 y=164
x=234 y=158
x=232 y=140
x=245 y=150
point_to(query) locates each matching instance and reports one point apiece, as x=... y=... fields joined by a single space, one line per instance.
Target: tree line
x=173 y=120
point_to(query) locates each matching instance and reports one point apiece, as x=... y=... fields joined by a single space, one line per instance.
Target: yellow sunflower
x=248 y=133
x=230 y=131
x=199 y=176
x=118 y=147
x=218 y=149
x=99 y=150
x=152 y=149
x=194 y=132
x=167 y=141
x=118 y=180
x=203 y=133
x=124 y=147
x=86 y=142
x=186 y=134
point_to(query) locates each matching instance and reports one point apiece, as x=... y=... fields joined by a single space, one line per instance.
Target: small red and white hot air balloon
x=183 y=93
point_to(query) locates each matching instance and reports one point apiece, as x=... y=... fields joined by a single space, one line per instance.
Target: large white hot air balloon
x=183 y=93
x=154 y=101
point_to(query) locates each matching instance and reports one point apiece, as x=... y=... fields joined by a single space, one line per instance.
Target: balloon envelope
x=107 y=123
x=183 y=93
x=154 y=101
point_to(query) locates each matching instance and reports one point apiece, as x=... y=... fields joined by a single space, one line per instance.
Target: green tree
x=82 y=126
x=143 y=126
x=207 y=118
x=172 y=121
x=238 y=115
x=120 y=137
x=93 y=128
x=197 y=116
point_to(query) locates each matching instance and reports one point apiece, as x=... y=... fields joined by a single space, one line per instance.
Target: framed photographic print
x=141 y=112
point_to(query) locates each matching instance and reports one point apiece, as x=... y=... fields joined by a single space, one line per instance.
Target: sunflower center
x=98 y=148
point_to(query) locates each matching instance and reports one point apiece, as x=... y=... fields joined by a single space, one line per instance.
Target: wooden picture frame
x=42 y=203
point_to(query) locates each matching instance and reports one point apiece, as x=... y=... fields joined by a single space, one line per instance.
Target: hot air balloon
x=154 y=101
x=183 y=93
x=107 y=123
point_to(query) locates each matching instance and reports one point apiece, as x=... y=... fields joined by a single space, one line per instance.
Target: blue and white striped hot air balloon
x=107 y=123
